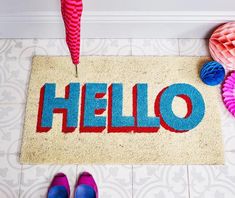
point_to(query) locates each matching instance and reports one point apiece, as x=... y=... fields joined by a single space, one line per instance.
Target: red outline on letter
x=110 y=128
x=84 y=129
x=64 y=112
x=158 y=113
x=39 y=128
x=140 y=129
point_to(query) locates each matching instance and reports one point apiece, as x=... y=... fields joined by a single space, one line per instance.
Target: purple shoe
x=59 y=187
x=86 y=187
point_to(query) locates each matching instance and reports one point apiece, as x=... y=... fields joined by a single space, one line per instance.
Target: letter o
x=197 y=103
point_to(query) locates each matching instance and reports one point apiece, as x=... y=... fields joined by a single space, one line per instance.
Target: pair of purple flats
x=85 y=188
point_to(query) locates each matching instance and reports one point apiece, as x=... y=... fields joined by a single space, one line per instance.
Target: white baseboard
x=115 y=24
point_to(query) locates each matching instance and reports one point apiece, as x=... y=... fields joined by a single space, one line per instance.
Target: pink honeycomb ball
x=228 y=92
x=222 y=45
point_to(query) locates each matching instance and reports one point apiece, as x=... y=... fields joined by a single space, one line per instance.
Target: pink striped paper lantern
x=222 y=45
x=71 y=11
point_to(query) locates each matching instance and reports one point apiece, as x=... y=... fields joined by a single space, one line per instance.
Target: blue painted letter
x=144 y=123
x=49 y=104
x=94 y=105
x=118 y=122
x=196 y=107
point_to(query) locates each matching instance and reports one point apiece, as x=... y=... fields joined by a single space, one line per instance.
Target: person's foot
x=86 y=186
x=59 y=187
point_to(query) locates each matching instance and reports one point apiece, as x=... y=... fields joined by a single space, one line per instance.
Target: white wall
x=11 y=6
x=117 y=18
x=160 y=5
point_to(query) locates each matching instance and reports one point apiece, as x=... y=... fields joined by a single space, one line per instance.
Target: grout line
x=17 y=153
x=62 y=38
x=231 y=151
x=76 y=170
x=179 y=47
x=34 y=51
x=131 y=43
x=21 y=175
x=14 y=103
x=76 y=178
x=188 y=178
x=132 y=181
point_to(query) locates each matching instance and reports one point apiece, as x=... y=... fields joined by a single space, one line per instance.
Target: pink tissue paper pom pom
x=228 y=93
x=222 y=45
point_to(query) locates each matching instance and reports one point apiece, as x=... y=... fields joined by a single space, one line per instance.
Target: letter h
x=49 y=104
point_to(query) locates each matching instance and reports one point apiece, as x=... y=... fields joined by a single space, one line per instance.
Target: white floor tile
x=11 y=126
x=10 y=172
x=51 y=47
x=117 y=47
x=16 y=57
x=228 y=128
x=88 y=47
x=193 y=47
x=213 y=181
x=159 y=47
x=112 y=181
x=15 y=62
x=4 y=45
x=160 y=181
x=35 y=180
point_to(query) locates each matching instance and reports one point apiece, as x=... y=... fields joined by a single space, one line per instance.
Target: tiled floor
x=114 y=181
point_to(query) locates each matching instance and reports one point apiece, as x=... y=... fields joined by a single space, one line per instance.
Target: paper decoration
x=228 y=90
x=212 y=73
x=222 y=45
x=71 y=12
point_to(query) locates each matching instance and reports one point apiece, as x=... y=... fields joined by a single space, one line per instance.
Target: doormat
x=121 y=110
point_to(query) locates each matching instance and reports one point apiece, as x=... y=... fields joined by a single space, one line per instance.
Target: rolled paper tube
x=71 y=12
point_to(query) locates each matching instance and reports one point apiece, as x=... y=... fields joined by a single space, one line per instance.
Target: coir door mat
x=121 y=110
